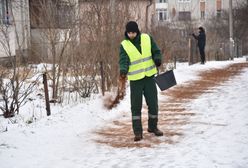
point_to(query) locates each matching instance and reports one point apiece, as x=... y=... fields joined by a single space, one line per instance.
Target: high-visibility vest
x=141 y=64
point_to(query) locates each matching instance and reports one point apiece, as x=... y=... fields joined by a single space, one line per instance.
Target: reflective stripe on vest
x=141 y=65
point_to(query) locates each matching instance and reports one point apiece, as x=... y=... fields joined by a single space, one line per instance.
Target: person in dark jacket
x=201 y=38
x=138 y=61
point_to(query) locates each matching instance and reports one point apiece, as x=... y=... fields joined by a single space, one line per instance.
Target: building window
x=162 y=14
x=51 y=14
x=65 y=15
x=202 y=9
x=5 y=12
x=184 y=16
x=218 y=4
x=218 y=13
x=162 y=1
x=218 y=8
x=184 y=1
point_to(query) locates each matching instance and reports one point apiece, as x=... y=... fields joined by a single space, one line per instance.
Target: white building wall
x=21 y=13
x=10 y=38
x=161 y=5
x=18 y=30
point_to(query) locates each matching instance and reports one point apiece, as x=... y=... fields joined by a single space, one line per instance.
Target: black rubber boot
x=138 y=137
x=156 y=131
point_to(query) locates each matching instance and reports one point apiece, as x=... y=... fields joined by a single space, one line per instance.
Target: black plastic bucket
x=165 y=80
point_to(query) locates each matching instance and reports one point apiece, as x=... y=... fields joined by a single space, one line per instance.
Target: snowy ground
x=216 y=137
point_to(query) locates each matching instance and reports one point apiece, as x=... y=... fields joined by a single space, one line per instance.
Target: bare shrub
x=101 y=31
x=82 y=80
x=218 y=32
x=14 y=87
x=55 y=24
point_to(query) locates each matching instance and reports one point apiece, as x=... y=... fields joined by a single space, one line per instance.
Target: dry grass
x=172 y=115
x=23 y=73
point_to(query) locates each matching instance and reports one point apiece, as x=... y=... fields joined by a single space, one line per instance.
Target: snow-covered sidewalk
x=216 y=137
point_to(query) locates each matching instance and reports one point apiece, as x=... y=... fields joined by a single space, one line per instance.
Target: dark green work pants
x=146 y=87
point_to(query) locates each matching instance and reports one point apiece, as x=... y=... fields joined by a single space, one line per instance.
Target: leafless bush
x=173 y=40
x=218 y=32
x=104 y=25
x=82 y=80
x=55 y=24
x=14 y=87
x=241 y=25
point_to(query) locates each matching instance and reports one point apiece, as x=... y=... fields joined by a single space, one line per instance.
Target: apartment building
x=190 y=10
x=22 y=23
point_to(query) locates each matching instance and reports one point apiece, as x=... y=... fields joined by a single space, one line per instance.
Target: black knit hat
x=132 y=27
x=201 y=29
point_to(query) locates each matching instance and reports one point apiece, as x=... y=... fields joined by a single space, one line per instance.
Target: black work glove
x=157 y=62
x=123 y=74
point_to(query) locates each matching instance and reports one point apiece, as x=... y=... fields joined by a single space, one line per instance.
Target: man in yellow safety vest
x=139 y=59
